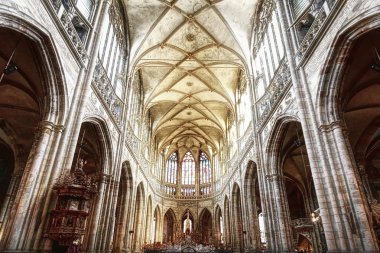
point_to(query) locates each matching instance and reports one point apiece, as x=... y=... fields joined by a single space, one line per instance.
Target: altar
x=187 y=244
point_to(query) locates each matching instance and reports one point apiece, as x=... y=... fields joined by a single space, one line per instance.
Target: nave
x=164 y=126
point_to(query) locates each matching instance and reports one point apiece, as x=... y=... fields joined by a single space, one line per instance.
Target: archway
x=205 y=226
x=294 y=182
x=227 y=222
x=93 y=154
x=238 y=240
x=149 y=222
x=123 y=207
x=169 y=226
x=219 y=225
x=253 y=205
x=32 y=103
x=139 y=218
x=348 y=112
x=157 y=225
x=359 y=94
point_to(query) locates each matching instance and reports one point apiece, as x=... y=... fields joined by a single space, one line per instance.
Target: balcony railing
x=302 y=225
x=322 y=19
x=132 y=141
x=64 y=19
x=107 y=93
x=273 y=94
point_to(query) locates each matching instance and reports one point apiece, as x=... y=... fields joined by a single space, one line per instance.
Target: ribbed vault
x=191 y=55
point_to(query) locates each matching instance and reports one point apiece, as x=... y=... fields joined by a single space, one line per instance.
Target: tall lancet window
x=171 y=169
x=205 y=169
x=188 y=169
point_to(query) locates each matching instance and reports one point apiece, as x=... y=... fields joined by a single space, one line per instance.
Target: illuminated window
x=171 y=169
x=205 y=169
x=188 y=169
x=85 y=7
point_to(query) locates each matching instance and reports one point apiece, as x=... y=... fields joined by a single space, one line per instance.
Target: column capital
x=332 y=126
x=273 y=177
x=46 y=125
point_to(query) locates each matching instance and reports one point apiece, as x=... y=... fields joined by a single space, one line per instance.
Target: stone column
x=179 y=176
x=93 y=223
x=356 y=208
x=130 y=224
x=250 y=211
x=281 y=217
x=329 y=203
x=269 y=213
x=21 y=212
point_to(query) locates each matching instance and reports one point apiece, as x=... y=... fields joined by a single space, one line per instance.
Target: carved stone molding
x=274 y=93
x=104 y=87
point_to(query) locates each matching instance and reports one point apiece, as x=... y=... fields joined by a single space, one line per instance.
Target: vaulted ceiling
x=191 y=55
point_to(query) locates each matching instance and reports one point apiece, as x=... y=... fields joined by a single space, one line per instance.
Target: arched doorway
x=205 y=226
x=238 y=240
x=123 y=207
x=169 y=226
x=138 y=219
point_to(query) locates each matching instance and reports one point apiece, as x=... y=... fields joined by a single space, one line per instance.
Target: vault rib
x=155 y=23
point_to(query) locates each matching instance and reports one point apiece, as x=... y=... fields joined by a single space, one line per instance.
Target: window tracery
x=188 y=169
x=171 y=169
x=204 y=168
x=189 y=176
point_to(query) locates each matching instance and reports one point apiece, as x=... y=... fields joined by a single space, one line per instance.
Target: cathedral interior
x=212 y=126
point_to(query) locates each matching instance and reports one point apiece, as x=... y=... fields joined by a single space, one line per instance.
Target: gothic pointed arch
x=253 y=203
x=238 y=227
x=336 y=63
x=138 y=223
x=219 y=224
x=33 y=103
x=188 y=222
x=103 y=138
x=205 y=226
x=157 y=225
x=54 y=103
x=169 y=228
x=122 y=212
x=293 y=179
x=227 y=221
x=349 y=111
x=149 y=221
x=93 y=154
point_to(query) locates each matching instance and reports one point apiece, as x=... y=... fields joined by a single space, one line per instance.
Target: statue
x=188 y=223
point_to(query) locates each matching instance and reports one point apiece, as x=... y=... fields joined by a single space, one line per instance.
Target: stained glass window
x=171 y=169
x=188 y=169
x=205 y=169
